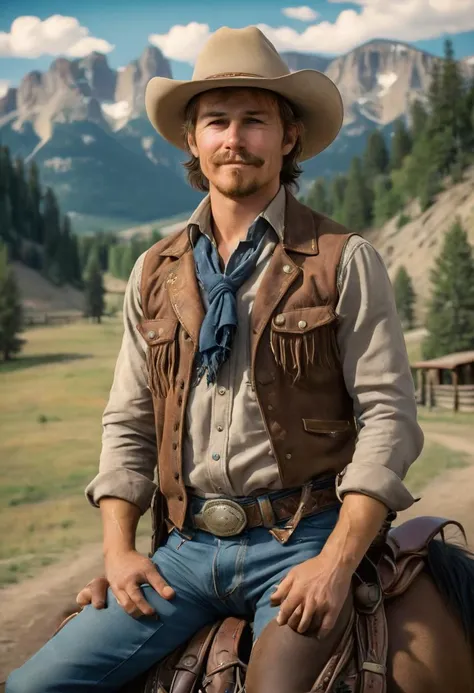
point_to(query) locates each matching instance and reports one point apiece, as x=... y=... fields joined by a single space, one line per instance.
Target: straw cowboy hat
x=246 y=58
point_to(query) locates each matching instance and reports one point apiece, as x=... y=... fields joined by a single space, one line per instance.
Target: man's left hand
x=312 y=595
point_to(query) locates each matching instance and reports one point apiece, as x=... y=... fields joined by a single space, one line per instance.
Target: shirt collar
x=274 y=213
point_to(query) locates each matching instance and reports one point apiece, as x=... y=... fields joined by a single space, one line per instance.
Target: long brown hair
x=289 y=116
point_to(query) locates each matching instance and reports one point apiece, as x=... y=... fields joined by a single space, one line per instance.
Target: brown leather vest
x=295 y=367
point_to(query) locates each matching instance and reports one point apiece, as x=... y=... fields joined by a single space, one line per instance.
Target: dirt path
x=30 y=610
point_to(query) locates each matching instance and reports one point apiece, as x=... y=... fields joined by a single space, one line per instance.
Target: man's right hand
x=125 y=571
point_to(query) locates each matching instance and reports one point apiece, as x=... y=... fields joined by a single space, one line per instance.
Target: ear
x=192 y=145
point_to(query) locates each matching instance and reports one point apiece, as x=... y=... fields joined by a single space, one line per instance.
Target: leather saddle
x=215 y=659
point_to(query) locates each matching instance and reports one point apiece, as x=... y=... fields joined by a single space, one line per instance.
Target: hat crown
x=239 y=51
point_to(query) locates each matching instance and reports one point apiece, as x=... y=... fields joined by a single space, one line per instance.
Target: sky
x=33 y=33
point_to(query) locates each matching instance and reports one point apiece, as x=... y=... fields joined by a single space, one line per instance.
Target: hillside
x=41 y=296
x=418 y=242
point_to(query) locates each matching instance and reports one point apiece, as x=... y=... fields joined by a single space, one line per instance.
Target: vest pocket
x=162 y=353
x=304 y=339
x=327 y=428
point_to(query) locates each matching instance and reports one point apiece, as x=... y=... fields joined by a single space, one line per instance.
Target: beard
x=238 y=186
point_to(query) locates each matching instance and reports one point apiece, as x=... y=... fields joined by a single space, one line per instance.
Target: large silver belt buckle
x=224 y=518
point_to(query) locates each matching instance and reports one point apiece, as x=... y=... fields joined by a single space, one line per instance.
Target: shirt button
x=220 y=428
x=221 y=390
x=270 y=408
x=287 y=269
x=288 y=455
x=151 y=334
x=216 y=456
x=280 y=319
x=302 y=324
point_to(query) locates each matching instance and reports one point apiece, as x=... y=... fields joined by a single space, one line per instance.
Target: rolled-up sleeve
x=378 y=378
x=129 y=455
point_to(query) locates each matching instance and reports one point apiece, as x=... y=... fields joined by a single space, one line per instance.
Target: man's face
x=239 y=140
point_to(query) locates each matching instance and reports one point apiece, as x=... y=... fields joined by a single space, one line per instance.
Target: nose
x=233 y=140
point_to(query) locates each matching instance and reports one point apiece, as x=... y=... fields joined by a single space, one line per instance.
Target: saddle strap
x=225 y=671
x=372 y=646
x=192 y=661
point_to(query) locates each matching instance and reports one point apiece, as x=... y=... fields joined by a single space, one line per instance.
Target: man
x=263 y=360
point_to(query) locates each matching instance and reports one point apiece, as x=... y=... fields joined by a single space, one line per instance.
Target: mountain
x=84 y=123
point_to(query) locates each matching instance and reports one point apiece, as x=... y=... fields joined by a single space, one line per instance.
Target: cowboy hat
x=246 y=58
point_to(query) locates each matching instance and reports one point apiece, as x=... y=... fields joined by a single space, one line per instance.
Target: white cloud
x=303 y=13
x=4 y=84
x=404 y=20
x=182 y=42
x=31 y=37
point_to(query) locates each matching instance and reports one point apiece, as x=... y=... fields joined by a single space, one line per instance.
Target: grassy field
x=50 y=428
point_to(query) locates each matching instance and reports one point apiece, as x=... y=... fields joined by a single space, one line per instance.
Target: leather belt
x=225 y=518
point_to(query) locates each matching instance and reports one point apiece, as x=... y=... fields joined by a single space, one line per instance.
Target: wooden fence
x=456 y=398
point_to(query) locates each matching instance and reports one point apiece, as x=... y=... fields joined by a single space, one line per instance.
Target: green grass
x=445 y=416
x=50 y=436
x=433 y=461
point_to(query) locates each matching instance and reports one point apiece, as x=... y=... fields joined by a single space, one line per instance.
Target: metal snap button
x=151 y=334
x=302 y=324
x=287 y=269
x=288 y=455
x=280 y=319
x=216 y=456
x=221 y=390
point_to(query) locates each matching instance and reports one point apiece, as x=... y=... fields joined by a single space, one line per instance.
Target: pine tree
x=356 y=207
x=35 y=199
x=450 y=319
x=317 y=197
x=337 y=191
x=376 y=156
x=127 y=261
x=387 y=202
x=404 y=297
x=418 y=120
x=115 y=260
x=401 y=144
x=429 y=187
x=94 y=290
x=11 y=311
x=52 y=237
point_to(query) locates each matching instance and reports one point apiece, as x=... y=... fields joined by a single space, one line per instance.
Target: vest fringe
x=294 y=353
x=162 y=364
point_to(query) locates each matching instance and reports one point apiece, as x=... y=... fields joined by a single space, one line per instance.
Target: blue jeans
x=213 y=578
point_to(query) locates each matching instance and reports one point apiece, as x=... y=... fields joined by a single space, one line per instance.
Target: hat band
x=232 y=74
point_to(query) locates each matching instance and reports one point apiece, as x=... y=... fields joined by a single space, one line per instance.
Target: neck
x=232 y=217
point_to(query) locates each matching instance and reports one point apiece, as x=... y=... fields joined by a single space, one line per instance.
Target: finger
x=295 y=617
x=156 y=581
x=98 y=589
x=84 y=597
x=126 y=603
x=139 y=600
x=327 y=625
x=281 y=591
x=293 y=600
x=309 y=616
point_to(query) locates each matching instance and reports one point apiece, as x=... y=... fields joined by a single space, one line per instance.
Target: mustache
x=242 y=158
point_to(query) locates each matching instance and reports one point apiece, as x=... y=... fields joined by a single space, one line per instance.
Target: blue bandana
x=220 y=322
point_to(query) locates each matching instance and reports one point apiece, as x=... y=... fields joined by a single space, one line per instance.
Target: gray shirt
x=226 y=450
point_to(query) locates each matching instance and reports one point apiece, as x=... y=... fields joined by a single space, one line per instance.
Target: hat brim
x=316 y=97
